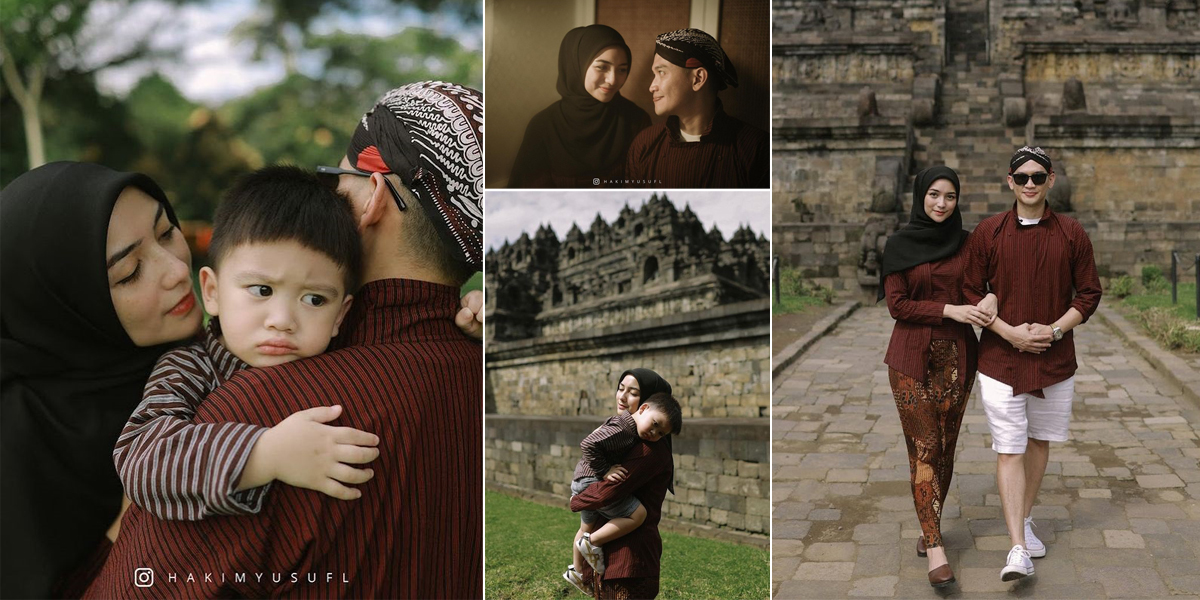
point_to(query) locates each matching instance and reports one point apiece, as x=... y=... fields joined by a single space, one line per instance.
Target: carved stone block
x=1016 y=111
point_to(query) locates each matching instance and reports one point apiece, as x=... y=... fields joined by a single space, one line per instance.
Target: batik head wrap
x=692 y=48
x=1026 y=154
x=430 y=134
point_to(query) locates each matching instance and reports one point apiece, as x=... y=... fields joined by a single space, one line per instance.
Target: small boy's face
x=278 y=301
x=652 y=424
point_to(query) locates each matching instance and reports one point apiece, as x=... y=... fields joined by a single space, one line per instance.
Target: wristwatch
x=1056 y=332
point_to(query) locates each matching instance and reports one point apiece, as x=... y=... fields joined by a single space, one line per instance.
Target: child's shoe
x=591 y=553
x=575 y=579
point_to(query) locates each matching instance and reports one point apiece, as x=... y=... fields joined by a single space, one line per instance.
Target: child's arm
x=176 y=469
x=303 y=452
x=173 y=468
x=593 y=452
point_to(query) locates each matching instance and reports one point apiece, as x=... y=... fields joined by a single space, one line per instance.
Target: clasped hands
x=980 y=315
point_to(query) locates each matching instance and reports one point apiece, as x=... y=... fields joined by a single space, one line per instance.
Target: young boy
x=285 y=256
x=658 y=416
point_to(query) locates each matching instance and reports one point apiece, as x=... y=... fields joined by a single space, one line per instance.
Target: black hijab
x=579 y=137
x=649 y=382
x=923 y=240
x=69 y=374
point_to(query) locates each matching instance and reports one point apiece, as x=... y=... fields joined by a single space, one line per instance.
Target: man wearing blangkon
x=1040 y=266
x=401 y=369
x=698 y=146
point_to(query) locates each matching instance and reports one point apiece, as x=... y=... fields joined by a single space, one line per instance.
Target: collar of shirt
x=225 y=363
x=721 y=129
x=1048 y=216
x=387 y=311
x=625 y=421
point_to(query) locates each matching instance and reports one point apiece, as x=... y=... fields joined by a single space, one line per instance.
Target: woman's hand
x=990 y=306
x=966 y=313
x=305 y=452
x=616 y=473
x=470 y=317
x=1028 y=338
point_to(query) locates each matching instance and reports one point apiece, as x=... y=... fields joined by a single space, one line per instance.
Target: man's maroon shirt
x=638 y=553
x=407 y=374
x=1037 y=272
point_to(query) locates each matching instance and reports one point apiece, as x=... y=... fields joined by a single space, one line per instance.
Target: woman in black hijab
x=584 y=136
x=70 y=375
x=633 y=386
x=932 y=354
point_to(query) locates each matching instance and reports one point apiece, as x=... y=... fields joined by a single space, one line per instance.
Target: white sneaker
x=575 y=579
x=1018 y=565
x=591 y=553
x=1033 y=545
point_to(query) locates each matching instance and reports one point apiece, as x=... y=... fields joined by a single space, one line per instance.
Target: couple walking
x=1027 y=277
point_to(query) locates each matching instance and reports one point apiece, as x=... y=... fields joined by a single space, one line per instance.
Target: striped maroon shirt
x=1037 y=272
x=637 y=554
x=408 y=374
x=175 y=468
x=916 y=298
x=732 y=155
x=605 y=446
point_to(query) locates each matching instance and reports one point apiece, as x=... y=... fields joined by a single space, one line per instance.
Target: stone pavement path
x=1119 y=509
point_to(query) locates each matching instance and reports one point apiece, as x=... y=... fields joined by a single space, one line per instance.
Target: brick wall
x=722 y=469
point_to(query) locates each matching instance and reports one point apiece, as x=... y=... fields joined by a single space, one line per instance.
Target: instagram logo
x=143 y=577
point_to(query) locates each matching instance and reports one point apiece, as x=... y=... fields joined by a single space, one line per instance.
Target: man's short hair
x=421 y=235
x=282 y=203
x=669 y=406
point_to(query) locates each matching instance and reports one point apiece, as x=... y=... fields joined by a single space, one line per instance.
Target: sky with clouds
x=211 y=68
x=511 y=212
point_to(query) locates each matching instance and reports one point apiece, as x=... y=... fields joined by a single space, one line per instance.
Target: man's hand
x=305 y=452
x=616 y=473
x=1040 y=329
x=470 y=316
x=1028 y=338
x=990 y=307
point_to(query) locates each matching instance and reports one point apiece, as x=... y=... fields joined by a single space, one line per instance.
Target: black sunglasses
x=1023 y=178
x=329 y=175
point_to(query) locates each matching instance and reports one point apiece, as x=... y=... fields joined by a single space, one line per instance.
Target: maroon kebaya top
x=916 y=298
x=638 y=553
x=407 y=374
x=1037 y=272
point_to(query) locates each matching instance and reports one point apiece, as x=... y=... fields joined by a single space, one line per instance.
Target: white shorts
x=1015 y=419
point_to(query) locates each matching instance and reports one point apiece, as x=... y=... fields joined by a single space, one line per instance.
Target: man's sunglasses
x=1023 y=178
x=329 y=175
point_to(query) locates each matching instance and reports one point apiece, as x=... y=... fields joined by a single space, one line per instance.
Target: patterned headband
x=430 y=133
x=1026 y=154
x=692 y=48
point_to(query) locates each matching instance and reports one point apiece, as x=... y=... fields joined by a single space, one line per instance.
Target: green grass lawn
x=529 y=547
x=1186 y=308
x=1174 y=326
x=796 y=304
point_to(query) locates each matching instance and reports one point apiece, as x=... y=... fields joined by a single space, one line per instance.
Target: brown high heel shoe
x=941 y=576
x=922 y=551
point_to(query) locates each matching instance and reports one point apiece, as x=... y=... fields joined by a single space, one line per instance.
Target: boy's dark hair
x=670 y=407
x=283 y=202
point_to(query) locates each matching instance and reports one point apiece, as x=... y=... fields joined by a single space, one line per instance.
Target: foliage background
x=135 y=84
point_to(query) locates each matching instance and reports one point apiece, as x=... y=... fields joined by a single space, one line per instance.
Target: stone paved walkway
x=1119 y=508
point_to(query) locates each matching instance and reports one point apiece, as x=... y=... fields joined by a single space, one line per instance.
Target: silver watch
x=1056 y=332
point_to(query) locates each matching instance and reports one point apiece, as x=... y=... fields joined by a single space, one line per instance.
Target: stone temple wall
x=722 y=470
x=1111 y=88
x=652 y=289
